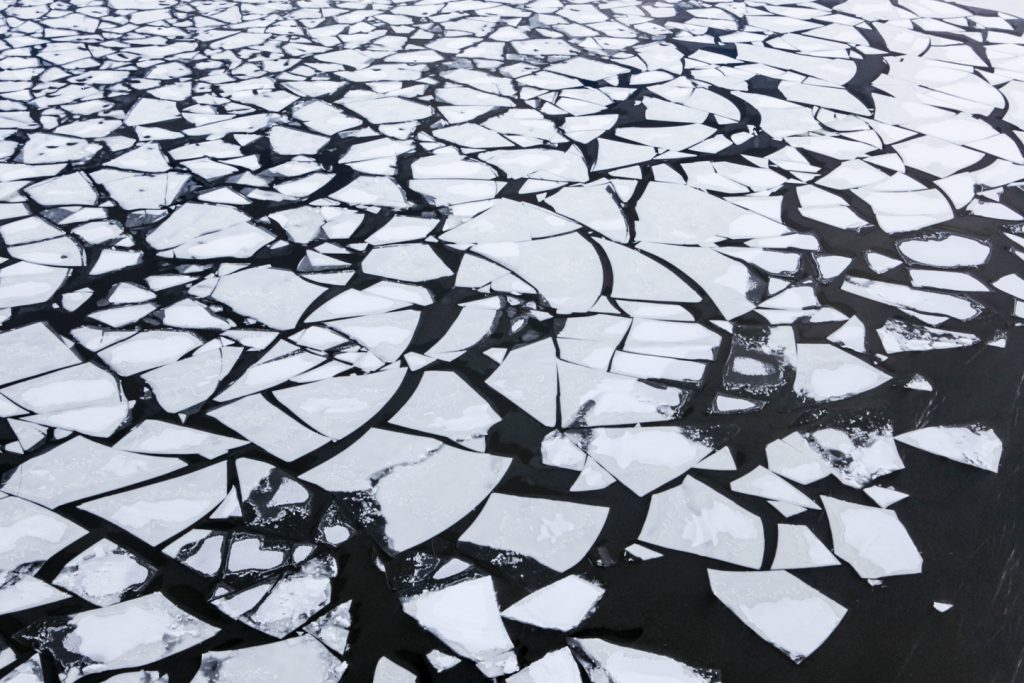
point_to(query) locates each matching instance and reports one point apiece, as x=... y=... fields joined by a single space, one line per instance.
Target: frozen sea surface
x=529 y=341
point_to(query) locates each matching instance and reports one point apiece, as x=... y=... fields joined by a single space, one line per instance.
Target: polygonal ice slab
x=130 y=634
x=975 y=446
x=558 y=534
x=871 y=539
x=561 y=605
x=156 y=512
x=694 y=518
x=780 y=608
x=298 y=659
x=465 y=616
x=608 y=662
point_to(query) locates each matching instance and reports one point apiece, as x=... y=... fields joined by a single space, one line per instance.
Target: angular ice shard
x=561 y=606
x=332 y=629
x=464 y=616
x=825 y=373
x=104 y=574
x=557 y=665
x=608 y=662
x=421 y=500
x=872 y=540
x=594 y=398
x=301 y=659
x=780 y=608
x=557 y=534
x=798 y=548
x=764 y=483
x=974 y=445
x=129 y=634
x=158 y=511
x=694 y=518
x=528 y=377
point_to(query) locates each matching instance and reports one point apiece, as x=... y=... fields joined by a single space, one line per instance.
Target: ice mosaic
x=378 y=341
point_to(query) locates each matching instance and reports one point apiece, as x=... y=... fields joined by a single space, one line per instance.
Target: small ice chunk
x=872 y=540
x=942 y=607
x=338 y=406
x=560 y=606
x=780 y=608
x=974 y=445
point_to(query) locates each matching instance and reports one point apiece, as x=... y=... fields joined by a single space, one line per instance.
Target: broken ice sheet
x=780 y=608
x=129 y=634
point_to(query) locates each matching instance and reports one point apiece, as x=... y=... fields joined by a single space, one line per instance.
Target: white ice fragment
x=300 y=659
x=129 y=634
x=798 y=548
x=277 y=298
x=694 y=518
x=825 y=373
x=942 y=607
x=780 y=608
x=464 y=616
x=976 y=446
x=445 y=405
x=528 y=377
x=419 y=501
x=642 y=458
x=872 y=540
x=884 y=496
x=558 y=534
x=606 y=662
x=338 y=406
x=103 y=573
x=387 y=671
x=560 y=606
x=80 y=468
x=158 y=511
x=557 y=665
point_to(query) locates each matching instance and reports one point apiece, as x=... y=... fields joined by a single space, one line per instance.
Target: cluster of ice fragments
x=282 y=278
